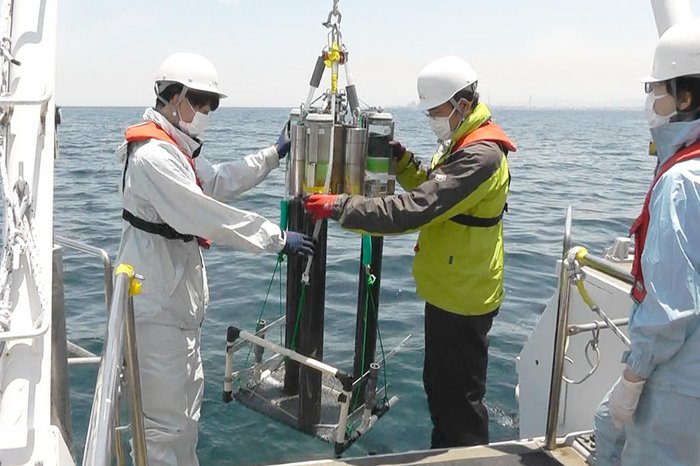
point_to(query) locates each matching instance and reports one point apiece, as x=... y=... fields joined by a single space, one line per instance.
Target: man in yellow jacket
x=457 y=204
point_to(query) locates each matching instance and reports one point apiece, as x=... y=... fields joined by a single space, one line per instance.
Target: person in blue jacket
x=651 y=416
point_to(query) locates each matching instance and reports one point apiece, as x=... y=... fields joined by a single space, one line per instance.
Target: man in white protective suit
x=173 y=206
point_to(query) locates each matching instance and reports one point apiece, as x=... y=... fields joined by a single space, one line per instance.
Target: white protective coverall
x=664 y=333
x=160 y=187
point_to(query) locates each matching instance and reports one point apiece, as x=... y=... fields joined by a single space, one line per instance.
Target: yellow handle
x=134 y=284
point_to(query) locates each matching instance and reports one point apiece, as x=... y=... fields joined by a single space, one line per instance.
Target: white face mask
x=651 y=107
x=197 y=126
x=441 y=127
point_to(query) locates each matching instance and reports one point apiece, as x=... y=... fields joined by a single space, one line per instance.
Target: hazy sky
x=557 y=52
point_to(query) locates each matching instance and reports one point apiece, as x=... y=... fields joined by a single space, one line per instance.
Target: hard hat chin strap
x=158 y=91
x=159 y=97
x=455 y=105
x=180 y=99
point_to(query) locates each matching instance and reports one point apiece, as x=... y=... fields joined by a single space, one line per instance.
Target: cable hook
x=334 y=12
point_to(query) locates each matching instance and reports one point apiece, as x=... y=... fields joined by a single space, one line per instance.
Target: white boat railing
x=562 y=328
x=83 y=356
x=92 y=251
x=120 y=345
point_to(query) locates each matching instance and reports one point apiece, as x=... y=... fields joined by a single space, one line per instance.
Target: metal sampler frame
x=336 y=147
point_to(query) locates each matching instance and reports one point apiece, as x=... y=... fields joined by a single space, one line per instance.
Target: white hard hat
x=441 y=79
x=677 y=52
x=191 y=70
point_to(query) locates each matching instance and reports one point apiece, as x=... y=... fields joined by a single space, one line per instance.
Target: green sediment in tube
x=378 y=164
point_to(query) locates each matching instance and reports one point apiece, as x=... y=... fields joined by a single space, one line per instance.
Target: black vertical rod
x=367 y=346
x=295 y=268
x=310 y=336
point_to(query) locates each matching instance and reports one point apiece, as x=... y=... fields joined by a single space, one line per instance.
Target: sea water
x=593 y=160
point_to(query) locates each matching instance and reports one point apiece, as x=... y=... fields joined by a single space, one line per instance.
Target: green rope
x=356 y=394
x=350 y=428
x=280 y=258
x=365 y=262
x=300 y=307
x=364 y=322
x=281 y=310
x=381 y=346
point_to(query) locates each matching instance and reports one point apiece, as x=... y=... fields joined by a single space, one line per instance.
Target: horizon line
x=497 y=106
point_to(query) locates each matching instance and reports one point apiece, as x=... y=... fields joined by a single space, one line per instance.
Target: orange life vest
x=143 y=132
x=641 y=225
x=492 y=132
x=489 y=131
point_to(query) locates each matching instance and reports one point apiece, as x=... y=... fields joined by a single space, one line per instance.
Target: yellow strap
x=134 y=284
x=584 y=294
x=580 y=255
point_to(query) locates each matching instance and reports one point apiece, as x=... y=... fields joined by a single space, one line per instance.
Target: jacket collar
x=477 y=117
x=187 y=144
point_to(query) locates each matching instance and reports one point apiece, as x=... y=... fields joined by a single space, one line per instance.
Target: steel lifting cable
x=334 y=12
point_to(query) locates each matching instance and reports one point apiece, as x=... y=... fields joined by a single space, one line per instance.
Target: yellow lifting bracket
x=333 y=57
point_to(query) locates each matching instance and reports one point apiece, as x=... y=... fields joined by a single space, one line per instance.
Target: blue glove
x=298 y=243
x=283 y=142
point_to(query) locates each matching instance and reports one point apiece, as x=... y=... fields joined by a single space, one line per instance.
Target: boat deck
x=504 y=454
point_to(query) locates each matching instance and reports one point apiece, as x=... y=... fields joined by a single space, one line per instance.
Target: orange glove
x=320 y=206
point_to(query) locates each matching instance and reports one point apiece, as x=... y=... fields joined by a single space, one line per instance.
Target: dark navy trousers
x=454 y=376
